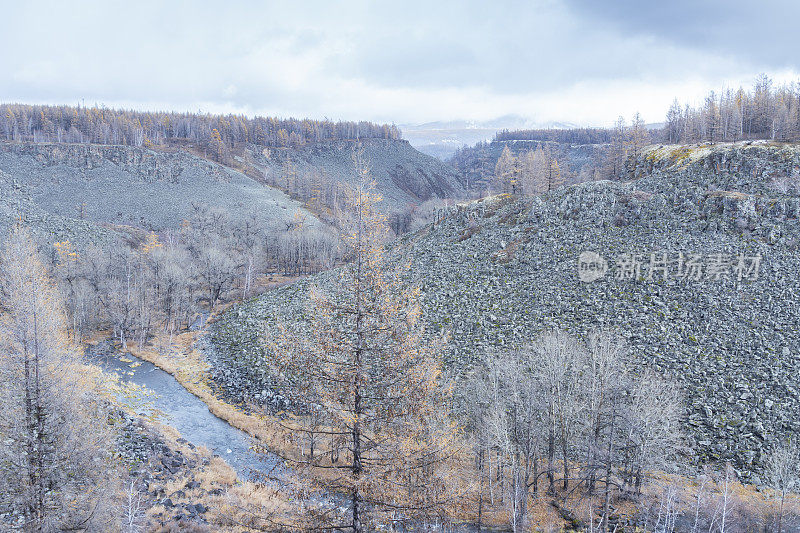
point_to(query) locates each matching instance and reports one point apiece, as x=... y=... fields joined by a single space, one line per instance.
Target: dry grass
x=506 y=255
x=186 y=363
x=468 y=232
x=189 y=367
x=246 y=505
x=233 y=506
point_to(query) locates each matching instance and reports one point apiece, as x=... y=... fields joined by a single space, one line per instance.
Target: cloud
x=578 y=61
x=764 y=34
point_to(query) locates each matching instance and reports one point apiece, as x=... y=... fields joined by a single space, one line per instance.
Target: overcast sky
x=578 y=61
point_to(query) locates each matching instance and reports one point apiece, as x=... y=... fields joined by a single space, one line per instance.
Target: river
x=190 y=415
x=192 y=418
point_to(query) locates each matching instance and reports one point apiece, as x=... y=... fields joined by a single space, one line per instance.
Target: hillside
x=404 y=176
x=307 y=159
x=497 y=271
x=154 y=189
x=123 y=185
x=16 y=204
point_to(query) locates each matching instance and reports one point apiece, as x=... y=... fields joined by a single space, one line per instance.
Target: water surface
x=191 y=416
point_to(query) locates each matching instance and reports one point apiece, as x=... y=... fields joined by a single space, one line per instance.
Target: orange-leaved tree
x=367 y=385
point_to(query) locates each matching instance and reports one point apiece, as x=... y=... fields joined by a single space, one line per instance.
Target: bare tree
x=134 y=510
x=783 y=475
x=510 y=420
x=584 y=404
x=637 y=138
x=558 y=360
x=617 y=152
x=55 y=460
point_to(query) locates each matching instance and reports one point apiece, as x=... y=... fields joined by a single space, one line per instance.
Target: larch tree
x=672 y=126
x=637 y=137
x=540 y=171
x=367 y=385
x=711 y=118
x=554 y=176
x=55 y=461
x=507 y=172
x=617 y=151
x=531 y=170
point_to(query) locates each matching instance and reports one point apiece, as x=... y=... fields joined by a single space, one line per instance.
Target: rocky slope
x=403 y=175
x=497 y=271
x=17 y=205
x=123 y=185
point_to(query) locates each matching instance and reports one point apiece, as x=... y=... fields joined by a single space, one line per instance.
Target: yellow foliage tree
x=151 y=244
x=366 y=383
x=56 y=469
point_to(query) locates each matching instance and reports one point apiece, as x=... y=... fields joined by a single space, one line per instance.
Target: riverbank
x=186 y=363
x=175 y=485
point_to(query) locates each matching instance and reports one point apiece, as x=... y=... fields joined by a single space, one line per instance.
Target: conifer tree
x=617 y=151
x=554 y=176
x=637 y=137
x=368 y=384
x=507 y=172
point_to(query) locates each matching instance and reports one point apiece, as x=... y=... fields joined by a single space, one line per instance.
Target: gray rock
x=729 y=342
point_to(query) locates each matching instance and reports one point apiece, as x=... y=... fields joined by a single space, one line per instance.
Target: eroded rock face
x=131 y=186
x=147 y=164
x=496 y=272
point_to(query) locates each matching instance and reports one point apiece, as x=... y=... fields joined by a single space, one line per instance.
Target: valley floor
x=181 y=480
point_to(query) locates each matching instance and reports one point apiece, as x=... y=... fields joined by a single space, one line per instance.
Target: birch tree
x=783 y=475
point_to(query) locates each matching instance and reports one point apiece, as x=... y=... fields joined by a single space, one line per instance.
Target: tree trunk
x=551 y=455
x=607 y=499
x=565 y=456
x=357 y=408
x=356 y=498
x=480 y=490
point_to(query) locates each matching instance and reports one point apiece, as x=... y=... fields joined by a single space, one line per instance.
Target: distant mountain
x=442 y=139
